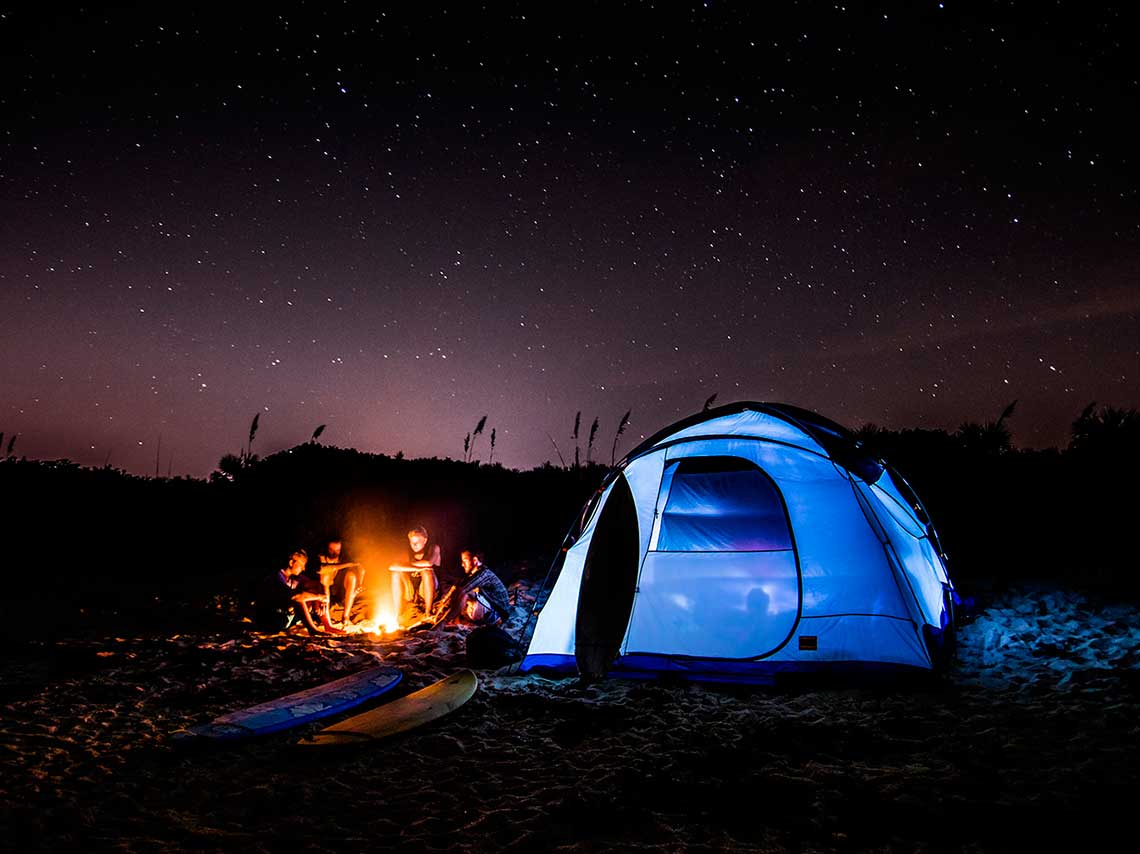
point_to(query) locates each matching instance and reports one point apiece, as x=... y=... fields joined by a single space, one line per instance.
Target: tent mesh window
x=722 y=504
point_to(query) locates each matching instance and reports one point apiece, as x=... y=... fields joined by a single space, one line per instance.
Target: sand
x=1031 y=739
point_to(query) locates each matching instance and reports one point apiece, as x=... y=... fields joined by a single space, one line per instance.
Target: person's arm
x=303 y=597
x=331 y=569
x=431 y=562
x=414 y=566
x=328 y=571
x=301 y=606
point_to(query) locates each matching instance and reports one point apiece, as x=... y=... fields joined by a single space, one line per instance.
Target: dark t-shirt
x=282 y=586
x=275 y=599
x=431 y=551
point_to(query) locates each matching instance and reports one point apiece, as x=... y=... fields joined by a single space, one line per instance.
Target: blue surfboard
x=300 y=708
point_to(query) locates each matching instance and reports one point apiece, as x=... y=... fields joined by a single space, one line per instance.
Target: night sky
x=395 y=222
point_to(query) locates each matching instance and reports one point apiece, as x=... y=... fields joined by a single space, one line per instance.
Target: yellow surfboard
x=400 y=715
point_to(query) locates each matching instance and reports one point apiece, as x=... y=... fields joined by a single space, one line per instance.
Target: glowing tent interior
x=743 y=542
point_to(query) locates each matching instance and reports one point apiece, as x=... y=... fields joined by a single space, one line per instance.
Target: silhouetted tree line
x=99 y=534
x=79 y=534
x=1004 y=513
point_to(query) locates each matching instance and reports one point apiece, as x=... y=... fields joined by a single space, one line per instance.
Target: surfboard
x=302 y=707
x=400 y=715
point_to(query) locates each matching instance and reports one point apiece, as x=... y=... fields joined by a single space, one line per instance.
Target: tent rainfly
x=743 y=542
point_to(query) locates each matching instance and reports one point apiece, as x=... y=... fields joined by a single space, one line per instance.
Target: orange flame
x=383 y=622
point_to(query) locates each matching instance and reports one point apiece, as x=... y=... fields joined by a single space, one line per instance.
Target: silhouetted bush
x=1007 y=513
x=88 y=533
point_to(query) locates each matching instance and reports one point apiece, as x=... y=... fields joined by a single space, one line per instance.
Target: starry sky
x=395 y=219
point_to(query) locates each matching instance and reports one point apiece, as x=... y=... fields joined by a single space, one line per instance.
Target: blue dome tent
x=743 y=542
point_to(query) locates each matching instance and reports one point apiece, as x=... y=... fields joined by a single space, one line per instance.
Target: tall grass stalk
x=252 y=433
x=555 y=444
x=590 y=443
x=620 y=430
x=577 y=452
x=475 y=433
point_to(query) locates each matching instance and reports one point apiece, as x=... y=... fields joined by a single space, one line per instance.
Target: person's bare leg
x=401 y=592
x=397 y=594
x=349 y=595
x=307 y=617
x=427 y=589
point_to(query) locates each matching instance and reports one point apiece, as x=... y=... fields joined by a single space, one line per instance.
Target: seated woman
x=483 y=598
x=417 y=571
x=287 y=596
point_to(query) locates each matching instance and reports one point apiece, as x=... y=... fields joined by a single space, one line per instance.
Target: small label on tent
x=808 y=642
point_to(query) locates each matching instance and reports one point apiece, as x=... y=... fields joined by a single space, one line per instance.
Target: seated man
x=287 y=596
x=419 y=569
x=483 y=598
x=337 y=571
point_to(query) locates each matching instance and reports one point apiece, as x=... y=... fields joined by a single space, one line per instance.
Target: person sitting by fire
x=288 y=596
x=340 y=575
x=482 y=598
x=417 y=573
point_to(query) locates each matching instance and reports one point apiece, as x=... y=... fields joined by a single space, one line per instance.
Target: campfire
x=382 y=623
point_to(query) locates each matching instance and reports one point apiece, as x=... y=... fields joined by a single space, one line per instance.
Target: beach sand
x=1030 y=741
